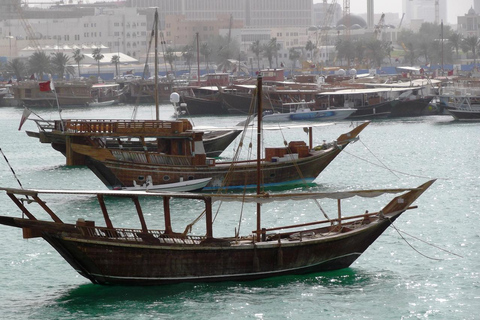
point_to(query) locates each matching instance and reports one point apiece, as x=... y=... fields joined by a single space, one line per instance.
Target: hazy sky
x=454 y=7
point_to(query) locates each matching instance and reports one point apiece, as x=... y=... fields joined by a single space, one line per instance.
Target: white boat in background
x=300 y=111
x=102 y=103
x=182 y=186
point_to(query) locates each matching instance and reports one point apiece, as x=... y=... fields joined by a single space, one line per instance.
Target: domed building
x=468 y=24
x=352 y=22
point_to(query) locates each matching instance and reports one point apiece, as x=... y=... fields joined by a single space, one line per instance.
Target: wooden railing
x=153 y=158
x=108 y=126
x=138 y=235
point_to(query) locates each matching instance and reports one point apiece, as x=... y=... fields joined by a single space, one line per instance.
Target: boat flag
x=45 y=86
x=25 y=114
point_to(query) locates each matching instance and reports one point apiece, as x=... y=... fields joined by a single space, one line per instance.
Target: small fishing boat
x=101 y=103
x=181 y=186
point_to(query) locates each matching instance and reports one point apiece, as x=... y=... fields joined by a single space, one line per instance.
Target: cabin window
x=190 y=177
x=141 y=178
x=166 y=178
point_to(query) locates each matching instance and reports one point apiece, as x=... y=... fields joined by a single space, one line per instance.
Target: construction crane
x=322 y=34
x=379 y=27
x=401 y=20
x=437 y=12
x=346 y=15
x=28 y=29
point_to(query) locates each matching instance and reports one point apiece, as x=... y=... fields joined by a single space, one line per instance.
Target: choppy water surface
x=392 y=280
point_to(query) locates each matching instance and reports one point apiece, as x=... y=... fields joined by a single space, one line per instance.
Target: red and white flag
x=25 y=114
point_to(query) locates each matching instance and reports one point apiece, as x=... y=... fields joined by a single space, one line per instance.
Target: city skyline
x=454 y=9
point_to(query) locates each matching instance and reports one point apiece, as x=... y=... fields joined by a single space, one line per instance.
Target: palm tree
x=310 y=46
x=411 y=53
x=116 y=60
x=78 y=56
x=206 y=51
x=276 y=48
x=39 y=63
x=170 y=57
x=97 y=55
x=16 y=67
x=256 y=48
x=268 y=52
x=60 y=65
x=376 y=52
x=471 y=42
x=293 y=55
x=188 y=55
x=455 y=39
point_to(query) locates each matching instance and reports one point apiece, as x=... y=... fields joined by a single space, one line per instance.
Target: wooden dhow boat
x=67 y=93
x=113 y=255
x=178 y=154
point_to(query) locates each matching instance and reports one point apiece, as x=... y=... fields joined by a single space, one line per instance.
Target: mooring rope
x=385 y=167
x=430 y=244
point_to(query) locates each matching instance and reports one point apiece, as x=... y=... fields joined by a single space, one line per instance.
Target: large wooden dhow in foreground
x=142 y=256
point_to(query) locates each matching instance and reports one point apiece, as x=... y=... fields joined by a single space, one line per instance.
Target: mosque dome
x=471 y=11
x=351 y=20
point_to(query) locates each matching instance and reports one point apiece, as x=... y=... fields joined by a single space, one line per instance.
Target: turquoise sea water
x=393 y=279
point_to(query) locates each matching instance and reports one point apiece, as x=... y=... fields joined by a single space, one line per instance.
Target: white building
x=117 y=30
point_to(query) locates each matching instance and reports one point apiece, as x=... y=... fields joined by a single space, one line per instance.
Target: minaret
x=370 y=14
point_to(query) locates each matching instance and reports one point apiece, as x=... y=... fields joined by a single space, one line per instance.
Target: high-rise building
x=9 y=8
x=424 y=10
x=253 y=13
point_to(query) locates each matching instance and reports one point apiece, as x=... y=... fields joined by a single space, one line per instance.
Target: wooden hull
x=125 y=256
x=380 y=110
x=242 y=175
x=119 y=169
x=410 y=108
x=242 y=103
x=203 y=106
x=108 y=261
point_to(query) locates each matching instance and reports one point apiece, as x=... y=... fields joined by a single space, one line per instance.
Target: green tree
x=376 y=52
x=98 y=56
x=256 y=48
x=16 y=67
x=188 y=55
x=206 y=50
x=170 y=57
x=268 y=50
x=276 y=47
x=78 y=56
x=115 y=60
x=60 y=65
x=345 y=50
x=293 y=55
x=310 y=46
x=39 y=63
x=455 y=40
x=472 y=42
